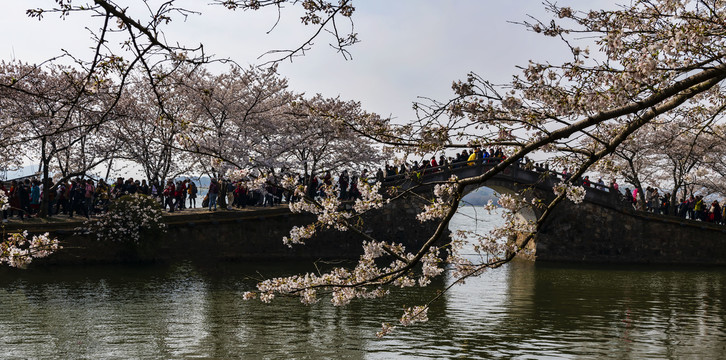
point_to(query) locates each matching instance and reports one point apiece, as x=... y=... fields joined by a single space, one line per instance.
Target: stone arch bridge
x=603 y=228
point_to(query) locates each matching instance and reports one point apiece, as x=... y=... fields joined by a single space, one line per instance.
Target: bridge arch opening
x=526 y=214
x=477 y=223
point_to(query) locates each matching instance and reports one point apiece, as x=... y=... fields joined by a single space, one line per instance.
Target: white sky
x=408 y=48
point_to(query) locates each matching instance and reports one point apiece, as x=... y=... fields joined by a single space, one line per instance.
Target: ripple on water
x=521 y=311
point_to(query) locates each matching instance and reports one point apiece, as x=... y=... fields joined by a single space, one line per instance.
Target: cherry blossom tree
x=681 y=146
x=666 y=152
x=127 y=39
x=58 y=120
x=709 y=176
x=235 y=113
x=152 y=134
x=316 y=139
x=249 y=119
x=632 y=161
x=651 y=59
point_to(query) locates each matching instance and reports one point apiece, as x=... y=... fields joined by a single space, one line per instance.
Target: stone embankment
x=234 y=235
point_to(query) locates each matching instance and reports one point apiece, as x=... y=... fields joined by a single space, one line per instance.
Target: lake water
x=523 y=311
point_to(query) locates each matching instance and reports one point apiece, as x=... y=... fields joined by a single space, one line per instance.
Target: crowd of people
x=86 y=197
x=693 y=207
x=237 y=194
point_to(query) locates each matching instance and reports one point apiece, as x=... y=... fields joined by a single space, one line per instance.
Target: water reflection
x=622 y=312
x=522 y=310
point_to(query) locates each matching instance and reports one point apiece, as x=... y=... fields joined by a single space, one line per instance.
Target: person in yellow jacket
x=471 y=161
x=699 y=207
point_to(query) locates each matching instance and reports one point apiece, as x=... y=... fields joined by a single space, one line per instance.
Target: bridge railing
x=517 y=172
x=437 y=170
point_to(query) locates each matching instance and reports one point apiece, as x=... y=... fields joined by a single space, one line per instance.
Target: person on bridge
x=363 y=178
x=471 y=161
x=169 y=195
x=614 y=186
x=4 y=191
x=698 y=208
x=379 y=175
x=35 y=197
x=179 y=195
x=499 y=154
x=213 y=193
x=390 y=171
x=240 y=195
x=715 y=212
x=433 y=164
x=461 y=158
x=192 y=190
x=600 y=184
x=343 y=182
x=354 y=193
x=692 y=200
x=88 y=197
x=566 y=174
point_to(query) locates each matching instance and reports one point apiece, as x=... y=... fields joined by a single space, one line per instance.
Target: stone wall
x=240 y=235
x=591 y=232
x=598 y=230
x=603 y=229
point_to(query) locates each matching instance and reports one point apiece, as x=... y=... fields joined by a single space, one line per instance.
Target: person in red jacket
x=169 y=193
x=180 y=195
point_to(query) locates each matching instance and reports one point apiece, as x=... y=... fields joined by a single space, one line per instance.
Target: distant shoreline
x=480 y=197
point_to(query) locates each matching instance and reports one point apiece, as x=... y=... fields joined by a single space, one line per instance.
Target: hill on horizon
x=480 y=197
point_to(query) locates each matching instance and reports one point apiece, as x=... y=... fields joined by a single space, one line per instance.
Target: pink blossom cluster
x=4 y=202
x=410 y=316
x=440 y=206
x=365 y=281
x=370 y=198
x=574 y=193
x=19 y=251
x=126 y=220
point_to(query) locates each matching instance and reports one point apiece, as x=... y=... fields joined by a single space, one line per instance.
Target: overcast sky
x=408 y=48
